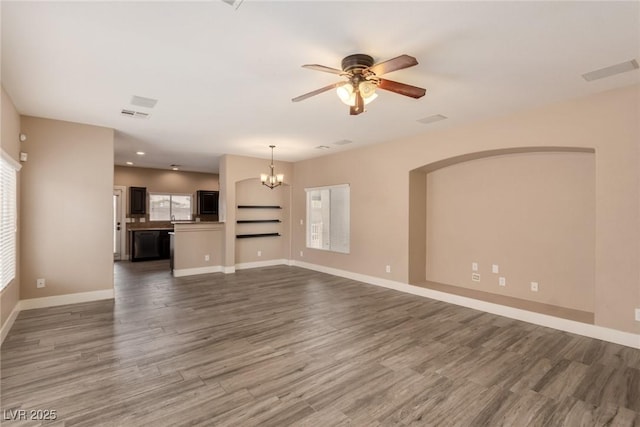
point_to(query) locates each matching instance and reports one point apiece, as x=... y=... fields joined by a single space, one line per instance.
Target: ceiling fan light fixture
x=346 y=94
x=367 y=89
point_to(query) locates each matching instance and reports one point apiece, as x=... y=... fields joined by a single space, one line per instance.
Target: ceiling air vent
x=343 y=142
x=432 y=119
x=136 y=114
x=141 y=101
x=235 y=3
x=611 y=70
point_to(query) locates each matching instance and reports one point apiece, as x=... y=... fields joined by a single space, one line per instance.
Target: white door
x=117 y=223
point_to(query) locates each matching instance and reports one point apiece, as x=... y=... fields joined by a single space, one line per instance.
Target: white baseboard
x=196 y=270
x=28 y=304
x=9 y=322
x=592 y=331
x=229 y=270
x=267 y=263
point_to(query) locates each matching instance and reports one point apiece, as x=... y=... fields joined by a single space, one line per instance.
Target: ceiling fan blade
x=398 y=63
x=402 y=89
x=359 y=105
x=318 y=67
x=317 y=92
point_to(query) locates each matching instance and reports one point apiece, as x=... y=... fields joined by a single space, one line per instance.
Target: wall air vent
x=611 y=70
x=136 y=114
x=432 y=119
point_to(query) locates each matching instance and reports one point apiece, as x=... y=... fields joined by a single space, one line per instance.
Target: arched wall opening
x=530 y=211
x=262 y=223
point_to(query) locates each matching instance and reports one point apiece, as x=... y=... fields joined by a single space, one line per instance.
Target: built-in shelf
x=247 y=221
x=247 y=236
x=259 y=207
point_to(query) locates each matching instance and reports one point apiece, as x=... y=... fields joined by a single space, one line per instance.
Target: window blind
x=8 y=219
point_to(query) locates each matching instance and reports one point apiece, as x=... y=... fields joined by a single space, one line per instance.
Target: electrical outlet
x=534 y=286
x=301 y=222
x=474 y=266
x=259 y=253
x=40 y=283
x=502 y=281
x=388 y=269
x=301 y=254
x=475 y=277
x=638 y=314
x=207 y=257
x=495 y=269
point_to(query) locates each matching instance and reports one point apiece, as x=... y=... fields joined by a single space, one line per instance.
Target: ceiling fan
x=363 y=79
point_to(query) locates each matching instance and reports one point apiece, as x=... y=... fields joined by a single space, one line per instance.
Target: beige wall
x=193 y=242
x=533 y=214
x=66 y=191
x=606 y=122
x=235 y=169
x=10 y=121
x=161 y=181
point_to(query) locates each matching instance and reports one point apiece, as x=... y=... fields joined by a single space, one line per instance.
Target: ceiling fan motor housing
x=358 y=61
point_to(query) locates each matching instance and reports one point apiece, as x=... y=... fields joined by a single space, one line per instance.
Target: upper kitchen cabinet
x=207 y=202
x=137 y=200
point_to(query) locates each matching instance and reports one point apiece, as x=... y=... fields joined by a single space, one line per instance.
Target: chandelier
x=271 y=180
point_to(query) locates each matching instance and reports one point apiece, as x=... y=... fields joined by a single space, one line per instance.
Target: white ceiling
x=224 y=78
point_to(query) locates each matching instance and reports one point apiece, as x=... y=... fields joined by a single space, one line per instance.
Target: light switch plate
x=495 y=269
x=502 y=281
x=474 y=266
x=534 y=286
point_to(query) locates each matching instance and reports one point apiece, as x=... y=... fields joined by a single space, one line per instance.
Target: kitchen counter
x=152 y=229
x=198 y=247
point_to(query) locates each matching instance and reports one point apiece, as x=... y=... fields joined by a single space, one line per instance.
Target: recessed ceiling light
x=174 y=169
x=140 y=153
x=611 y=70
x=130 y=163
x=323 y=147
x=431 y=119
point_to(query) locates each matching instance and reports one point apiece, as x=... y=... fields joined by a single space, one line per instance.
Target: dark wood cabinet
x=150 y=244
x=137 y=200
x=207 y=202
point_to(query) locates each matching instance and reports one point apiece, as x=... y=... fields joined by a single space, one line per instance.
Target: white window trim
x=307 y=230
x=5 y=281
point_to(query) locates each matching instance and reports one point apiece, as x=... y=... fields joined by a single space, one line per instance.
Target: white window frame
x=159 y=193
x=320 y=235
x=8 y=218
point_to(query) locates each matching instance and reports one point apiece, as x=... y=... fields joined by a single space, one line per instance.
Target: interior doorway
x=118 y=226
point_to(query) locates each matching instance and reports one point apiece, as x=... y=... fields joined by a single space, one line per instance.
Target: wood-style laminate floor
x=282 y=346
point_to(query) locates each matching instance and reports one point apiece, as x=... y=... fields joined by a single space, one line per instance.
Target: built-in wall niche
x=531 y=212
x=262 y=222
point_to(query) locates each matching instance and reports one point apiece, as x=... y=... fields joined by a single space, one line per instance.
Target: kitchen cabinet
x=207 y=202
x=137 y=200
x=148 y=244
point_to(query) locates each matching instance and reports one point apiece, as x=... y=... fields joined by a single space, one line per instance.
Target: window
x=8 y=219
x=328 y=218
x=169 y=207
